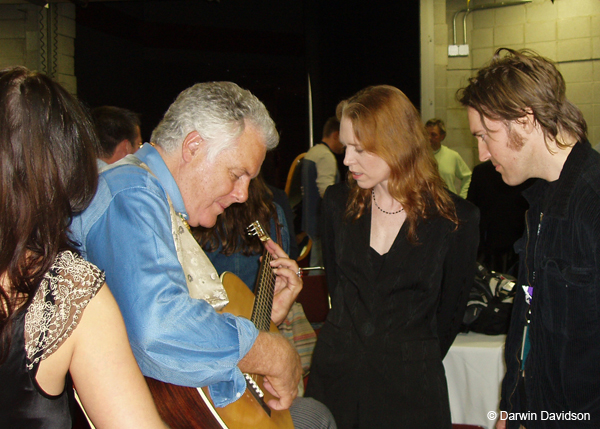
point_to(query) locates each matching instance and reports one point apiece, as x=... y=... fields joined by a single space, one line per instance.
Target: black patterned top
x=38 y=331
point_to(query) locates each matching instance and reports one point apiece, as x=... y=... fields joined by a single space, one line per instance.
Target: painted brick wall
x=40 y=39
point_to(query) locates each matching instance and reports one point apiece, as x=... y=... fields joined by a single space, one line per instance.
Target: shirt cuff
x=226 y=392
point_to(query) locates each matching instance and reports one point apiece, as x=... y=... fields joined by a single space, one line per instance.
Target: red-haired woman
x=399 y=253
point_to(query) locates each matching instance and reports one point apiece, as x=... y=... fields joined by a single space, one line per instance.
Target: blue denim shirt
x=126 y=231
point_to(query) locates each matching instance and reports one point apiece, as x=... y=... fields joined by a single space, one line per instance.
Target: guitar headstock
x=255 y=228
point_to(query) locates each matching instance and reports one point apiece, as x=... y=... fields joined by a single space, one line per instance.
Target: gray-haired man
x=209 y=145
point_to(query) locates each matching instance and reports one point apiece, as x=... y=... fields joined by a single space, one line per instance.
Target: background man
x=319 y=171
x=502 y=217
x=119 y=132
x=209 y=145
x=450 y=164
x=528 y=128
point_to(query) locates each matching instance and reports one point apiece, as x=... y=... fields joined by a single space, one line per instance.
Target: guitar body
x=187 y=407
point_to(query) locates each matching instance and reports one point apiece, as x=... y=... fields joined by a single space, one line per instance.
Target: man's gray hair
x=219 y=112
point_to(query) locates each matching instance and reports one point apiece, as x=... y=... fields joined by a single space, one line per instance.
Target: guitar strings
x=261 y=316
x=264 y=297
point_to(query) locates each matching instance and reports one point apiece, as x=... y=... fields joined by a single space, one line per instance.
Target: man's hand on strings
x=288 y=281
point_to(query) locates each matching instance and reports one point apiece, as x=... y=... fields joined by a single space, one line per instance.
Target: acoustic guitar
x=187 y=407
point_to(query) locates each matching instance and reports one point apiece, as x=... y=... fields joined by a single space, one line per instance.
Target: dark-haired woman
x=227 y=244
x=59 y=324
x=399 y=252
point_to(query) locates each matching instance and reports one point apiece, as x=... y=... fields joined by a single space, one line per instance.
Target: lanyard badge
x=528 y=293
x=525 y=346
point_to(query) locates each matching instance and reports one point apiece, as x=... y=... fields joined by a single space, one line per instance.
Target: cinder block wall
x=40 y=39
x=566 y=31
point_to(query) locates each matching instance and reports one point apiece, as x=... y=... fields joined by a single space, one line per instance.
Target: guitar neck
x=263 y=303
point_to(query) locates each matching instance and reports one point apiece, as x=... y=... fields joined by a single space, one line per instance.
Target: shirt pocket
x=568 y=301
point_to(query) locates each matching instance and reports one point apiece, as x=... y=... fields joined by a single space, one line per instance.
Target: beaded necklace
x=377 y=205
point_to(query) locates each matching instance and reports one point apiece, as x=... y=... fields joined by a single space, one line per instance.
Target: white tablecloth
x=474 y=370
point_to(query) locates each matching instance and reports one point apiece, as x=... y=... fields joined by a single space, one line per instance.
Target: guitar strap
x=202 y=279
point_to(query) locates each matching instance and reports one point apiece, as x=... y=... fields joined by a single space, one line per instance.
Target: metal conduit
x=478 y=8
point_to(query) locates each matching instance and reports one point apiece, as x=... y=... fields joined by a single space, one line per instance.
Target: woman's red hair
x=387 y=124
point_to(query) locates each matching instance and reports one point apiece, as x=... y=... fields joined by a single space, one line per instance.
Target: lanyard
x=528 y=289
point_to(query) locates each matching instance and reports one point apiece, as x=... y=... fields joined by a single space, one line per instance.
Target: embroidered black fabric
x=38 y=331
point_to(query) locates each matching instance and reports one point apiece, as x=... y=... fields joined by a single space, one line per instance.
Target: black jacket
x=560 y=259
x=378 y=359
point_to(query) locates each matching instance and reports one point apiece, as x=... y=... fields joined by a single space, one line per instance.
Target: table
x=474 y=370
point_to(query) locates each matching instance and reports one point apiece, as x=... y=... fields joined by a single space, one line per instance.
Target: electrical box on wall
x=458 y=50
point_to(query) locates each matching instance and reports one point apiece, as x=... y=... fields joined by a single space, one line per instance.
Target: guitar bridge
x=257 y=393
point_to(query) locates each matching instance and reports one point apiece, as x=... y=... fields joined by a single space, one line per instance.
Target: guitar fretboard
x=263 y=304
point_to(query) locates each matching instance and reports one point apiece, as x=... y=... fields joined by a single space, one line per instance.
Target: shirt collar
x=150 y=156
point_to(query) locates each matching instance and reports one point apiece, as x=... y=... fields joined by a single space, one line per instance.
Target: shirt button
x=189 y=278
x=214 y=276
x=181 y=229
x=368 y=329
